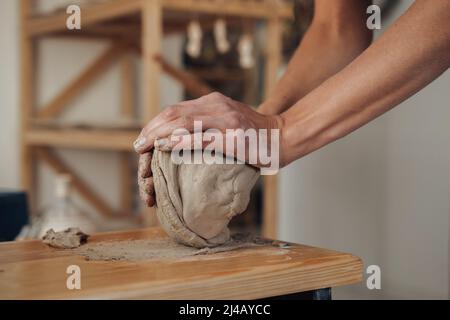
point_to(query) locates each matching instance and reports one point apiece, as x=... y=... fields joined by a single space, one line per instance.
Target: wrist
x=299 y=136
x=276 y=104
x=277 y=122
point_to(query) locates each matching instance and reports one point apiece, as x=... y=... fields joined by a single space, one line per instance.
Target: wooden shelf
x=93 y=13
x=97 y=139
x=39 y=25
x=119 y=124
x=249 y=8
x=133 y=26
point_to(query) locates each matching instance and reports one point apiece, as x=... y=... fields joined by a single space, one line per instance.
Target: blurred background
x=382 y=193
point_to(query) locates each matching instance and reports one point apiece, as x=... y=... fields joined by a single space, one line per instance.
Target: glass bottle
x=63 y=212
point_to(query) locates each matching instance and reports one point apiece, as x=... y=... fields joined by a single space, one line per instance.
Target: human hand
x=215 y=112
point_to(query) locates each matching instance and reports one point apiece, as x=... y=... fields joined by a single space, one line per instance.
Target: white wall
x=59 y=61
x=382 y=193
x=9 y=80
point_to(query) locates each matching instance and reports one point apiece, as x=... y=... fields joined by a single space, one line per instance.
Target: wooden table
x=31 y=270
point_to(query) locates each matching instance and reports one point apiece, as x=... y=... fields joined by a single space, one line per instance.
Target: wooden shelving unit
x=134 y=27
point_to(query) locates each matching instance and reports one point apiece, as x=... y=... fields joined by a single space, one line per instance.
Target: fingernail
x=139 y=143
x=162 y=144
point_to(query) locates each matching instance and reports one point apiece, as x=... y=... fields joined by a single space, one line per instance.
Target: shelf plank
x=249 y=8
x=110 y=9
x=31 y=270
x=91 y=14
x=113 y=140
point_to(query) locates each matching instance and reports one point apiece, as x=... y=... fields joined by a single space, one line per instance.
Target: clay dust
x=151 y=249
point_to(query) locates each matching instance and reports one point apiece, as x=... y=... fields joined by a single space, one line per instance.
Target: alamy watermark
x=73 y=281
x=258 y=147
x=374 y=20
x=73 y=21
x=374 y=279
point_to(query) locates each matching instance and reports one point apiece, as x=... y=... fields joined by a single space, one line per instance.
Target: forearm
x=336 y=36
x=412 y=53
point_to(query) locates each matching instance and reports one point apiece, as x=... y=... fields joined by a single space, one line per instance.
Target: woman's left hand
x=214 y=111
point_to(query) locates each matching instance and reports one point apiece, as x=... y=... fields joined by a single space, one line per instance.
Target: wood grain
x=96 y=13
x=27 y=105
x=247 y=9
x=31 y=270
x=273 y=60
x=92 y=13
x=97 y=139
x=152 y=26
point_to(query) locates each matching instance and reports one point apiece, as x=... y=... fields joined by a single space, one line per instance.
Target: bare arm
x=412 y=53
x=337 y=35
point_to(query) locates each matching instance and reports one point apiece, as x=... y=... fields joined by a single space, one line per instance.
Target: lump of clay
x=68 y=239
x=195 y=202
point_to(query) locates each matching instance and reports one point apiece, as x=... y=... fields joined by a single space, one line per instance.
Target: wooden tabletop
x=31 y=270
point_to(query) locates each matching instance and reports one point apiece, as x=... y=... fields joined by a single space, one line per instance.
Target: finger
x=207 y=104
x=141 y=182
x=182 y=142
x=227 y=146
x=197 y=106
x=184 y=108
x=147 y=191
x=168 y=114
x=149 y=186
x=194 y=142
x=148 y=200
x=146 y=185
x=145 y=162
x=184 y=124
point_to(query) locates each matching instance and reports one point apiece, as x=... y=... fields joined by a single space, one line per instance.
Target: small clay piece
x=262 y=241
x=68 y=239
x=281 y=244
x=195 y=202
